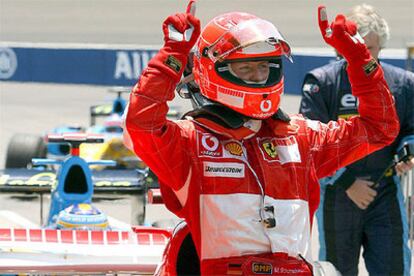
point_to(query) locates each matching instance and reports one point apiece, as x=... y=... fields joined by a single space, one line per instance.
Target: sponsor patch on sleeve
x=174 y=63
x=370 y=67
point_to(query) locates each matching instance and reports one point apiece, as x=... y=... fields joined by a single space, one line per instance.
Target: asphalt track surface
x=35 y=108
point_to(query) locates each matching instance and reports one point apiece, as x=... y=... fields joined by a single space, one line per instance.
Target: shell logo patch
x=234 y=148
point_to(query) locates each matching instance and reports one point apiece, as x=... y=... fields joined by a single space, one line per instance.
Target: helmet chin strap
x=221 y=119
x=241 y=128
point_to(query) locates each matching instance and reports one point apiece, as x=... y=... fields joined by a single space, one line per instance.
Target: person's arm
x=339 y=143
x=160 y=143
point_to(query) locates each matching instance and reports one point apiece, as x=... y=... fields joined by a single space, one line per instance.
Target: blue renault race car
x=105 y=119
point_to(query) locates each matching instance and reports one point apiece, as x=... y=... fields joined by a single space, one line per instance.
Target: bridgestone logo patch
x=225 y=170
x=215 y=169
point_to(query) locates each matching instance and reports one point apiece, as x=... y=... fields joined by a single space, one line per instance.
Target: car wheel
x=22 y=148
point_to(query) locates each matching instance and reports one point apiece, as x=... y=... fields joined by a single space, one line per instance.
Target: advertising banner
x=109 y=66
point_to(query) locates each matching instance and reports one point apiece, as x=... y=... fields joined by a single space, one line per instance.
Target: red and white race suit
x=220 y=185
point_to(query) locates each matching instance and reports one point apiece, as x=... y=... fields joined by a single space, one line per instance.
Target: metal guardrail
x=407 y=182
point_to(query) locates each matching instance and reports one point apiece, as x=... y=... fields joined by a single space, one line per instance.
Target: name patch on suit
x=228 y=169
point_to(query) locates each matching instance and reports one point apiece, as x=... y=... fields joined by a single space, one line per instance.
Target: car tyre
x=22 y=148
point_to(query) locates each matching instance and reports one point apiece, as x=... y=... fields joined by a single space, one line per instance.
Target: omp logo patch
x=214 y=169
x=262 y=268
x=234 y=148
x=209 y=146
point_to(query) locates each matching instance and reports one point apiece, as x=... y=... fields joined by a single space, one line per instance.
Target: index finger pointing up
x=323 y=21
x=191 y=7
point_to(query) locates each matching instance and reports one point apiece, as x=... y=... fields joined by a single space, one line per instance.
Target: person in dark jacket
x=362 y=203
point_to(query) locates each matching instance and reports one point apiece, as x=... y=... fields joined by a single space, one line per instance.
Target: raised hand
x=342 y=35
x=181 y=30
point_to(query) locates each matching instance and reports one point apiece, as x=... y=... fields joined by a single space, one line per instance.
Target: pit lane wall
x=120 y=65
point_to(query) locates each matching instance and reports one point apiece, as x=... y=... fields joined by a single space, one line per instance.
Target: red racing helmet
x=240 y=37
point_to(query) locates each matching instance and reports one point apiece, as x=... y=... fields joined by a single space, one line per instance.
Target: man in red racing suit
x=248 y=193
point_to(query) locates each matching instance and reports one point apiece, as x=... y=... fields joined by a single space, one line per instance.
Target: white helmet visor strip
x=255 y=36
